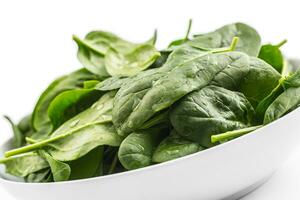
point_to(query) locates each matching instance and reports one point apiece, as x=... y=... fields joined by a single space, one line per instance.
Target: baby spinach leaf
x=42 y=176
x=24 y=164
x=272 y=55
x=40 y=120
x=293 y=80
x=137 y=101
x=209 y=111
x=106 y=54
x=137 y=149
x=60 y=171
x=174 y=147
x=18 y=139
x=131 y=61
x=261 y=75
x=87 y=166
x=81 y=134
x=69 y=103
x=284 y=103
x=249 y=42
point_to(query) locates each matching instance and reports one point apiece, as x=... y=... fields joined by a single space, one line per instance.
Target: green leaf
x=19 y=137
x=209 y=111
x=69 y=103
x=24 y=164
x=137 y=149
x=25 y=125
x=284 y=103
x=42 y=176
x=293 y=80
x=259 y=82
x=81 y=134
x=60 y=171
x=40 y=120
x=141 y=98
x=249 y=43
x=88 y=166
x=106 y=54
x=129 y=63
x=272 y=55
x=174 y=147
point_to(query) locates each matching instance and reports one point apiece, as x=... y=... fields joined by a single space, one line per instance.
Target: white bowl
x=227 y=171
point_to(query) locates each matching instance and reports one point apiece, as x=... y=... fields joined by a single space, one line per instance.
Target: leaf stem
x=113 y=164
x=232 y=46
x=32 y=146
x=188 y=30
x=233 y=134
x=281 y=43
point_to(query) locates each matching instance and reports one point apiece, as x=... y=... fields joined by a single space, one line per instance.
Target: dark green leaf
x=137 y=149
x=209 y=111
x=174 y=147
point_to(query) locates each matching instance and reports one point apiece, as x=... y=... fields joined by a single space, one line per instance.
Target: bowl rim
x=159 y=165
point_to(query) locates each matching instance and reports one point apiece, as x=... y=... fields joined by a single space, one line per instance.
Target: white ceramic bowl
x=227 y=171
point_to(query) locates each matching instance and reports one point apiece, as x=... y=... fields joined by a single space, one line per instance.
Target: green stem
x=232 y=46
x=281 y=43
x=233 y=134
x=113 y=164
x=188 y=30
x=32 y=146
x=30 y=140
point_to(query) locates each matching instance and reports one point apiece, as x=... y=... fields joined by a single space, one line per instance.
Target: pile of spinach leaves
x=133 y=106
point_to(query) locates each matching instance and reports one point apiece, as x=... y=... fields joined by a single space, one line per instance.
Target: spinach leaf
x=249 y=42
x=18 y=139
x=128 y=62
x=284 y=103
x=69 y=103
x=261 y=75
x=40 y=120
x=293 y=80
x=42 y=176
x=81 y=134
x=174 y=147
x=90 y=165
x=106 y=54
x=137 y=101
x=24 y=164
x=272 y=55
x=209 y=111
x=137 y=149
x=60 y=171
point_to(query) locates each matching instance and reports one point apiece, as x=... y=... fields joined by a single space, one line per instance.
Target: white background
x=36 y=47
